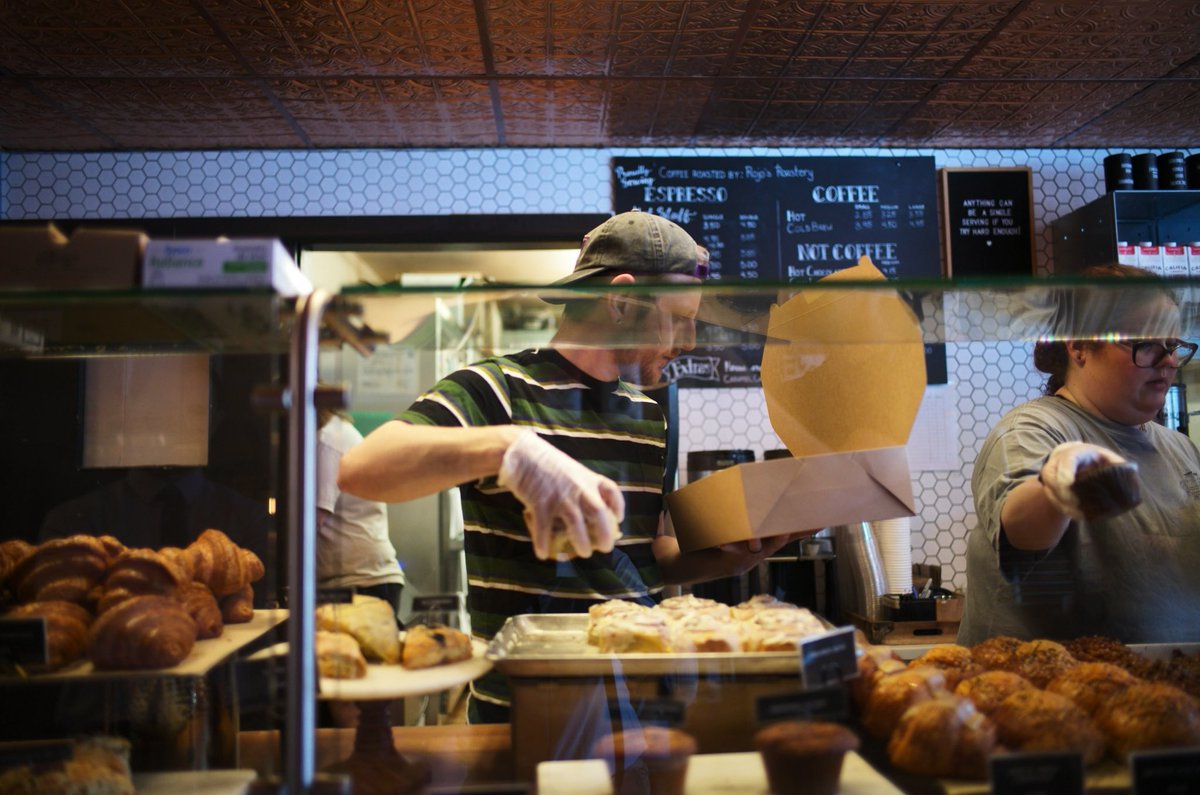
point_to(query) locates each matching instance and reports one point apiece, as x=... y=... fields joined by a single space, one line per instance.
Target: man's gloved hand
x=1062 y=466
x=564 y=500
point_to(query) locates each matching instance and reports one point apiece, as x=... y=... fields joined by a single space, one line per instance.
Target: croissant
x=998 y=653
x=946 y=737
x=874 y=663
x=221 y=564
x=202 y=606
x=97 y=765
x=12 y=552
x=65 y=568
x=1036 y=720
x=1091 y=684
x=238 y=607
x=112 y=546
x=988 y=690
x=181 y=559
x=1149 y=715
x=894 y=694
x=956 y=662
x=142 y=632
x=137 y=572
x=66 y=630
x=1040 y=661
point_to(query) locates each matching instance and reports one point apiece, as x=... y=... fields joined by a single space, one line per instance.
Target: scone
x=428 y=645
x=370 y=620
x=339 y=657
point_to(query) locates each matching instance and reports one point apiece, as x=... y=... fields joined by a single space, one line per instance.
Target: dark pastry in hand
x=1107 y=490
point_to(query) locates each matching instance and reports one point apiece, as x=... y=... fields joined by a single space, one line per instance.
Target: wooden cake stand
x=375 y=766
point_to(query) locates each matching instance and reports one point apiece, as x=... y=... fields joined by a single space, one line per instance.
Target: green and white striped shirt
x=610 y=427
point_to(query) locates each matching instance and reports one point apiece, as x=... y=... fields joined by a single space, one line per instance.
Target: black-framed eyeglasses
x=1151 y=353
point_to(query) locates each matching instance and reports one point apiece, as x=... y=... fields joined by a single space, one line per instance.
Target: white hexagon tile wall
x=985 y=379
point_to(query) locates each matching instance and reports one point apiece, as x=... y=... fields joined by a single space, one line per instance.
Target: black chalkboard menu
x=790 y=220
x=989 y=221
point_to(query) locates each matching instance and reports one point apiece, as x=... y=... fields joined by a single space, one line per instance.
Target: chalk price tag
x=1167 y=772
x=826 y=704
x=23 y=640
x=828 y=658
x=1037 y=774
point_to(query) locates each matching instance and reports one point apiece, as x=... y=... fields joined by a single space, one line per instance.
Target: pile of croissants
x=945 y=713
x=127 y=608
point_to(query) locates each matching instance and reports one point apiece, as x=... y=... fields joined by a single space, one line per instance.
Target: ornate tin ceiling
x=237 y=74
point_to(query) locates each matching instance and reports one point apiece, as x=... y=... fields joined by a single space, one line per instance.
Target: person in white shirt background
x=353 y=545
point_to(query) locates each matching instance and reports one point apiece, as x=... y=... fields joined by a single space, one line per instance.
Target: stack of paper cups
x=894 y=537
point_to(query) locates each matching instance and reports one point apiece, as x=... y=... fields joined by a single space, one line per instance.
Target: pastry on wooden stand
x=374 y=765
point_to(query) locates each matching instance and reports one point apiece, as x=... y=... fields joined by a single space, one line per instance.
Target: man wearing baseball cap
x=558 y=453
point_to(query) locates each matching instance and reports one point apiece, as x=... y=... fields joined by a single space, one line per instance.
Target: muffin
x=804 y=757
x=651 y=755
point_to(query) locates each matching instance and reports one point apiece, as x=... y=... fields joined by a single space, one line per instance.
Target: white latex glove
x=1061 y=467
x=568 y=507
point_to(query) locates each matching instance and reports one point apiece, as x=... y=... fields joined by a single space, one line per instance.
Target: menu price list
x=788 y=220
x=793 y=219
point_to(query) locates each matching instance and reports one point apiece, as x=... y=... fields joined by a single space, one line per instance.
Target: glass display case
x=107 y=393
x=146 y=535
x=836 y=373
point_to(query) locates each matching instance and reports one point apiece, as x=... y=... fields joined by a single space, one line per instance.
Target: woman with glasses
x=1041 y=562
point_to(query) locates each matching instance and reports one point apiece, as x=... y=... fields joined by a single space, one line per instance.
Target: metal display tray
x=555 y=645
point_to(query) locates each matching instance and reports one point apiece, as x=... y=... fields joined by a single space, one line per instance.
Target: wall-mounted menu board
x=989 y=221
x=790 y=219
x=793 y=219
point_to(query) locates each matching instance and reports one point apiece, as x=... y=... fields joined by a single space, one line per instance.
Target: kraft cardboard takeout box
x=842 y=393
x=41 y=257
